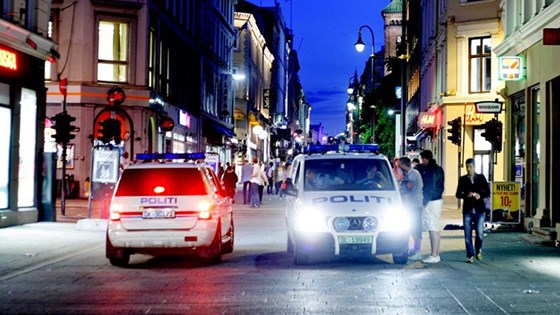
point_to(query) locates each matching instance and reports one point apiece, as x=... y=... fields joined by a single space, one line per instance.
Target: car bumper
x=327 y=243
x=200 y=236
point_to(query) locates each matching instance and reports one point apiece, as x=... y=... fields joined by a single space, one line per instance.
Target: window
x=27 y=145
x=112 y=64
x=480 y=73
x=5 y=127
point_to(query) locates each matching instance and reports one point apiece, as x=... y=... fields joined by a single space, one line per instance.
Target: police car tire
x=290 y=247
x=300 y=257
x=228 y=246
x=400 y=259
x=213 y=253
x=117 y=256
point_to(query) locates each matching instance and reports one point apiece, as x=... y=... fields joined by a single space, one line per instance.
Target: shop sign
x=266 y=98
x=8 y=59
x=506 y=202
x=427 y=120
x=488 y=107
x=184 y=119
x=510 y=68
x=472 y=117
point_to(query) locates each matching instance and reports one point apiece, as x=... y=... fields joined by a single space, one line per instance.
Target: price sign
x=506 y=202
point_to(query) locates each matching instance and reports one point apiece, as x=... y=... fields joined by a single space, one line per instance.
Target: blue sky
x=325 y=32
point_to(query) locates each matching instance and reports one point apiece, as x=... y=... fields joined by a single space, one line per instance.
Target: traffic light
x=110 y=129
x=497 y=135
x=489 y=131
x=455 y=131
x=64 y=128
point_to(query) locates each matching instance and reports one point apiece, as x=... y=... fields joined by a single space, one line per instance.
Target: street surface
x=52 y=268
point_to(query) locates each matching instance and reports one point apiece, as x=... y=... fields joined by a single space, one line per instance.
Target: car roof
x=337 y=155
x=155 y=165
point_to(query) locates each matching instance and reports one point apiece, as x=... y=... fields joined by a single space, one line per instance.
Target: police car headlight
x=396 y=219
x=341 y=224
x=369 y=224
x=308 y=219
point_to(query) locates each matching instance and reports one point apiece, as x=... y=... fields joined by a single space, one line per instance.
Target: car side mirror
x=288 y=188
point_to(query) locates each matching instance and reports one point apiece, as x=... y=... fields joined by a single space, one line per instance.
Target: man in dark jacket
x=473 y=188
x=433 y=178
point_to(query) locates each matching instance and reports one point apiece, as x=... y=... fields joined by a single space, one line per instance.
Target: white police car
x=169 y=208
x=345 y=203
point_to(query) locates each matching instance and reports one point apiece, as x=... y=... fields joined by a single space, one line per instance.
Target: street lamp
x=360 y=46
x=351 y=85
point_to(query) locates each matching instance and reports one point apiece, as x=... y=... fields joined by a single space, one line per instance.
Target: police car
x=169 y=208
x=343 y=201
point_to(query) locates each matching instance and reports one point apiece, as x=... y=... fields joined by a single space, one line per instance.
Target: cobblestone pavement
x=53 y=267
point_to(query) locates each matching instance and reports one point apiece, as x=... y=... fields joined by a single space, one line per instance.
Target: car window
x=218 y=187
x=161 y=182
x=347 y=174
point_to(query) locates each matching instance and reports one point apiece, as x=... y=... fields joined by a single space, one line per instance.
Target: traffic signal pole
x=63 y=190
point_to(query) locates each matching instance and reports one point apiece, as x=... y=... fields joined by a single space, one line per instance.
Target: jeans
x=473 y=220
x=246 y=191
x=255 y=200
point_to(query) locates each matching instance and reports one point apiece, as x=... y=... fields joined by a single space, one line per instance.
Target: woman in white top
x=278 y=177
x=257 y=179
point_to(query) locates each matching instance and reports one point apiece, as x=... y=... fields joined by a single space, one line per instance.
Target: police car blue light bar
x=322 y=148
x=171 y=156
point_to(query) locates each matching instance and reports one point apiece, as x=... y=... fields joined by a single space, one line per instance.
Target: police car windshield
x=347 y=174
x=174 y=181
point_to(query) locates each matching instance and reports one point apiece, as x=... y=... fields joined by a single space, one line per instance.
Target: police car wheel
x=228 y=246
x=401 y=258
x=300 y=257
x=290 y=247
x=213 y=253
x=117 y=256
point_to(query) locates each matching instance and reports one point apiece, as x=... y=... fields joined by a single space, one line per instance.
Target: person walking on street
x=256 y=180
x=278 y=177
x=246 y=174
x=269 y=176
x=411 y=192
x=230 y=180
x=433 y=178
x=473 y=188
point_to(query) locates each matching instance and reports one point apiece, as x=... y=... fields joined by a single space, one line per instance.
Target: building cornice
x=531 y=32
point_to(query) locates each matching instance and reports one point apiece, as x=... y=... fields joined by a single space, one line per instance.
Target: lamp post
x=360 y=46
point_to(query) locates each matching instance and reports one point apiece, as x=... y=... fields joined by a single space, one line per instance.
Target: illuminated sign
x=427 y=120
x=493 y=107
x=472 y=117
x=184 y=119
x=510 y=68
x=8 y=59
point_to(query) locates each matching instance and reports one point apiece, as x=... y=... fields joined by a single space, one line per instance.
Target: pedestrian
x=278 y=178
x=397 y=170
x=433 y=178
x=269 y=176
x=415 y=162
x=220 y=170
x=473 y=188
x=256 y=181
x=411 y=193
x=246 y=174
x=230 y=181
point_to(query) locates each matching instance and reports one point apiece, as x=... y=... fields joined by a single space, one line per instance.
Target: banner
x=506 y=202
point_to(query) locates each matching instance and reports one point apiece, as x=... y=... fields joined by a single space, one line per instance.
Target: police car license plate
x=158 y=214
x=359 y=239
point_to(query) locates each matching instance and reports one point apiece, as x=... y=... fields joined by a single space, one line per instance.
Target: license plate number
x=359 y=239
x=158 y=214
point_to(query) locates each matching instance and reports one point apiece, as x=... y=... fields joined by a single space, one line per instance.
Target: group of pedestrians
x=421 y=188
x=255 y=178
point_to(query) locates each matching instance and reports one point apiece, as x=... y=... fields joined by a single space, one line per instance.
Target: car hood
x=352 y=202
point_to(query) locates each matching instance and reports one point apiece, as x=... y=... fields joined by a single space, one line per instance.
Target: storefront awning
x=419 y=135
x=215 y=128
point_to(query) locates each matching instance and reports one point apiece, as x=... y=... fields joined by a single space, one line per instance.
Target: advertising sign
x=506 y=202
x=510 y=68
x=212 y=160
x=105 y=167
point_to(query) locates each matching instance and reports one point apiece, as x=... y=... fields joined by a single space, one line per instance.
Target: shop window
x=27 y=144
x=480 y=65
x=482 y=151
x=5 y=129
x=113 y=58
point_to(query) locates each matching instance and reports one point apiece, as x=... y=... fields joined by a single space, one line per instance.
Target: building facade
x=532 y=97
x=168 y=64
x=25 y=45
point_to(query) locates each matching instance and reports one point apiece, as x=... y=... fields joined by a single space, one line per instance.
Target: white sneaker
x=431 y=260
x=416 y=256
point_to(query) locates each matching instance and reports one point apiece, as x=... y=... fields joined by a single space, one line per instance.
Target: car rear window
x=168 y=181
